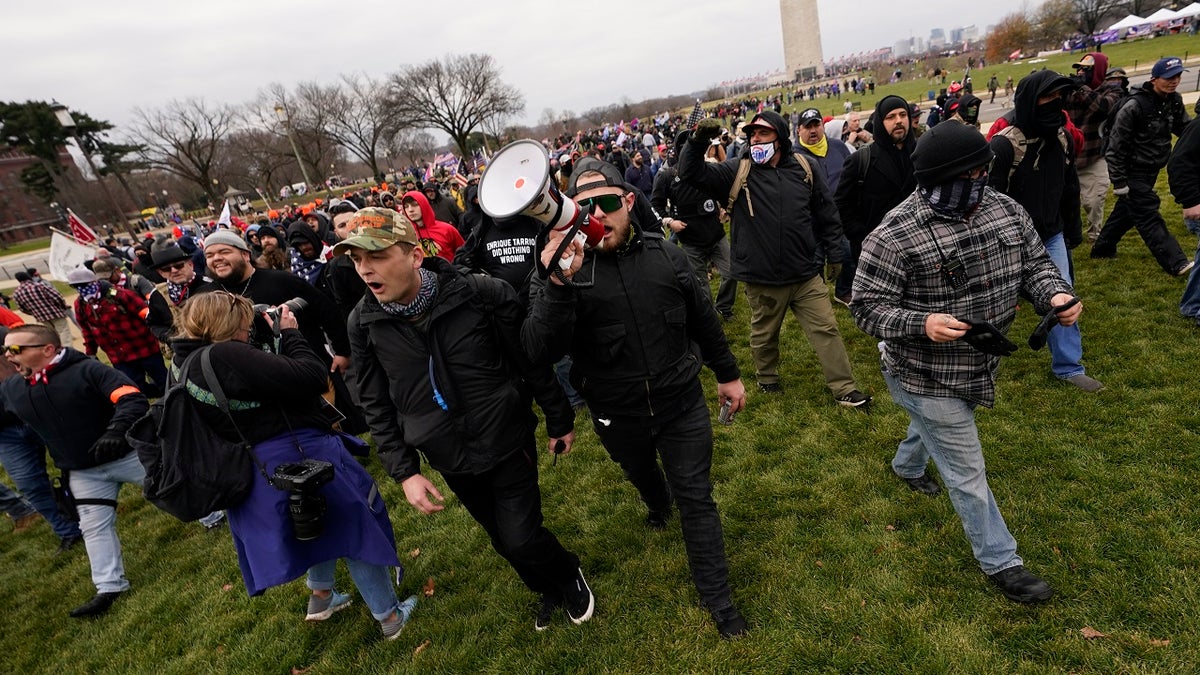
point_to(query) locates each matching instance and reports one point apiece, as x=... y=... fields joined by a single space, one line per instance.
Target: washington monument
x=801 y=39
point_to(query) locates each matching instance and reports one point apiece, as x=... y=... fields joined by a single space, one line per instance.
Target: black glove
x=111 y=446
x=707 y=129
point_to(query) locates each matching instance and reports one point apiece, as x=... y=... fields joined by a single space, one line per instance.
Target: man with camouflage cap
x=440 y=370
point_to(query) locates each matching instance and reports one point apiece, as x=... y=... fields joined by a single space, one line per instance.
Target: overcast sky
x=106 y=58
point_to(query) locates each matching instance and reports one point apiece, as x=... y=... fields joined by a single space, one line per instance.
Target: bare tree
x=1092 y=12
x=185 y=139
x=361 y=121
x=1054 y=21
x=412 y=145
x=457 y=94
x=1137 y=7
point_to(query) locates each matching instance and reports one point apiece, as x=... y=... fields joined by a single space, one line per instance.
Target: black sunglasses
x=607 y=203
x=17 y=349
x=175 y=267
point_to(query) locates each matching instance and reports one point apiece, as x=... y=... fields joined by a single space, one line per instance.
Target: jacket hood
x=1029 y=90
x=1099 y=70
x=781 y=128
x=470 y=195
x=300 y=231
x=833 y=130
x=885 y=106
x=427 y=217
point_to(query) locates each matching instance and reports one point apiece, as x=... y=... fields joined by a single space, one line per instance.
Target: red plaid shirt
x=116 y=323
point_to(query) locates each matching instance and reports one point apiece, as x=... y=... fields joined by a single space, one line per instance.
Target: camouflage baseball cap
x=375 y=229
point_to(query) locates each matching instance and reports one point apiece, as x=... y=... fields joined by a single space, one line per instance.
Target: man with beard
x=1138 y=147
x=638 y=174
x=874 y=180
x=954 y=252
x=1045 y=182
x=637 y=335
x=440 y=372
x=228 y=259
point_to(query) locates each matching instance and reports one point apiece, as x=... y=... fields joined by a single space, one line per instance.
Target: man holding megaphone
x=638 y=325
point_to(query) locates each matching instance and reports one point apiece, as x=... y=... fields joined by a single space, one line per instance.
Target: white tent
x=1131 y=21
x=1191 y=10
x=1161 y=16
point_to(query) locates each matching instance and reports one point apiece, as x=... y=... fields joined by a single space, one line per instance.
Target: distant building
x=910 y=46
x=23 y=216
x=937 y=38
x=801 y=39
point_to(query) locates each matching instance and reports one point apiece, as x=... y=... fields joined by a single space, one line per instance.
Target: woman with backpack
x=310 y=502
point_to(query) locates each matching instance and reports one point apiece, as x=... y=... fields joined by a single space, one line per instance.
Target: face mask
x=1048 y=117
x=762 y=153
x=956 y=199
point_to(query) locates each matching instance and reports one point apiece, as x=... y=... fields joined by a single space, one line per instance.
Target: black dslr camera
x=266 y=320
x=301 y=480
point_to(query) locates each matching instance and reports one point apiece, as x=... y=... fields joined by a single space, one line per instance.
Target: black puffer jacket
x=1140 y=139
x=80 y=401
x=637 y=337
x=470 y=341
x=778 y=219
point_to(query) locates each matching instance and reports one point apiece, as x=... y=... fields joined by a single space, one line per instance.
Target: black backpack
x=190 y=470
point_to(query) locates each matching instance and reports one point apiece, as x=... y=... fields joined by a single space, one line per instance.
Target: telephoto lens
x=306 y=506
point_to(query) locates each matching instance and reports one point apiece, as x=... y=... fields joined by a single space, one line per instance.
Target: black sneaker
x=855 y=399
x=770 y=387
x=923 y=484
x=730 y=623
x=657 y=520
x=66 y=544
x=1019 y=585
x=546 y=612
x=98 y=605
x=579 y=601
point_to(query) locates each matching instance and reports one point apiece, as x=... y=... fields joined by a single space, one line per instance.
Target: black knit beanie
x=947 y=150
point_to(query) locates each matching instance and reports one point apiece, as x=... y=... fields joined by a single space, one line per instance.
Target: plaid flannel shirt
x=44 y=302
x=900 y=283
x=116 y=323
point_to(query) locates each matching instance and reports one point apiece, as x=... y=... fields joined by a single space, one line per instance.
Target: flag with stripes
x=696 y=116
x=79 y=229
x=480 y=161
x=460 y=174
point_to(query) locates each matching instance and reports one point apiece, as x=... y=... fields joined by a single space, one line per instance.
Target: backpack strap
x=218 y=392
x=743 y=172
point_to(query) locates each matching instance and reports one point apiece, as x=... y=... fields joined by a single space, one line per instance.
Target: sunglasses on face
x=607 y=203
x=174 y=267
x=17 y=349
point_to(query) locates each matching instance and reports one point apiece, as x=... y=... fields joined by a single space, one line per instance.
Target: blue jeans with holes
x=99 y=523
x=944 y=429
x=1065 y=343
x=374 y=584
x=1189 y=305
x=24 y=458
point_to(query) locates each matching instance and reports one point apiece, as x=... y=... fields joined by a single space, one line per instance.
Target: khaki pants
x=809 y=301
x=1093 y=188
x=62 y=326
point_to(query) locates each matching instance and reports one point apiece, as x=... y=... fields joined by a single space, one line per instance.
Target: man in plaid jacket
x=114 y=319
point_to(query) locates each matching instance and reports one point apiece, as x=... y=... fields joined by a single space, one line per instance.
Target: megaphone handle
x=565 y=263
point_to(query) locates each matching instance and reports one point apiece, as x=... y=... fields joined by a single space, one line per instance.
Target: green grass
x=1142 y=53
x=836 y=564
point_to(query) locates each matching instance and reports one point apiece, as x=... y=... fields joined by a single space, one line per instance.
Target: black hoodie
x=1046 y=182
x=778 y=218
x=876 y=178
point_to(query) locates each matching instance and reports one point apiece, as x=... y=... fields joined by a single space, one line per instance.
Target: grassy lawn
x=1142 y=53
x=836 y=564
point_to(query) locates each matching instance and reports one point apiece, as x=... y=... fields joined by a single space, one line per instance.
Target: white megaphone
x=518 y=182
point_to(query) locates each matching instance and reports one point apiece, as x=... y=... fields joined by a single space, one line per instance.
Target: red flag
x=79 y=229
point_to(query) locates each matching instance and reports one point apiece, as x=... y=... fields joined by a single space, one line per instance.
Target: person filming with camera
x=311 y=503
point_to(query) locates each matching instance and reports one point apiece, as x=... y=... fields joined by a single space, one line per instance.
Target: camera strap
x=218 y=392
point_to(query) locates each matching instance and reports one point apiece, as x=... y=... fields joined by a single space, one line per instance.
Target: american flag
x=460 y=174
x=79 y=229
x=696 y=116
x=480 y=161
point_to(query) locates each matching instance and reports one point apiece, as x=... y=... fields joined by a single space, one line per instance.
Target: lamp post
x=281 y=113
x=68 y=123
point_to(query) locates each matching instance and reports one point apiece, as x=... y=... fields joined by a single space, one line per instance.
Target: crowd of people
x=409 y=312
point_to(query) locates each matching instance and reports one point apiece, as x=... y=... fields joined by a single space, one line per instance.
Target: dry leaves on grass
x=227 y=587
x=421 y=647
x=820 y=564
x=1160 y=643
x=414 y=553
x=296 y=670
x=890 y=528
x=429 y=587
x=1091 y=633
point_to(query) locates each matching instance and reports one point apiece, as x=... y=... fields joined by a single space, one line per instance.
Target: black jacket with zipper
x=468 y=342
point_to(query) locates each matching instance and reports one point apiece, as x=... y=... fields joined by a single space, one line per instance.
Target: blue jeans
x=944 y=429
x=562 y=371
x=152 y=367
x=99 y=523
x=1066 y=345
x=24 y=458
x=1189 y=306
x=374 y=584
x=13 y=503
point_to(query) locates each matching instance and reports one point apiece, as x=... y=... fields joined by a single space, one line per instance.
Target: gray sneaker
x=1086 y=383
x=391 y=626
x=320 y=608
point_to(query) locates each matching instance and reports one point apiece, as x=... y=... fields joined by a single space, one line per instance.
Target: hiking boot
x=67 y=544
x=770 y=387
x=1019 y=585
x=392 y=625
x=579 y=601
x=320 y=608
x=855 y=399
x=923 y=484
x=657 y=520
x=546 y=612
x=98 y=605
x=730 y=623
x=25 y=522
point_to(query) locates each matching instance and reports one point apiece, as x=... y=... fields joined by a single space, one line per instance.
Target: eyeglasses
x=607 y=203
x=175 y=267
x=17 y=349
